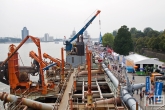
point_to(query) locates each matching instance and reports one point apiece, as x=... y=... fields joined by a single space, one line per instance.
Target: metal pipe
x=108 y=95
x=101 y=96
x=105 y=95
x=86 y=72
x=109 y=101
x=138 y=86
x=30 y=103
x=111 y=76
x=129 y=100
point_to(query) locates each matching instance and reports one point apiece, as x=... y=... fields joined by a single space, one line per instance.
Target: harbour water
x=50 y=48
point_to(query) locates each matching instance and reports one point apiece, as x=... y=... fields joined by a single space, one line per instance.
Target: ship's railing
x=71 y=93
x=112 y=87
x=58 y=100
x=11 y=105
x=161 y=108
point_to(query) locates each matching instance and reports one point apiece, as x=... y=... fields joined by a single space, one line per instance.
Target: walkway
x=64 y=101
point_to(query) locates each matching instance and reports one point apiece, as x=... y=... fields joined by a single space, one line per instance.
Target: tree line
x=125 y=40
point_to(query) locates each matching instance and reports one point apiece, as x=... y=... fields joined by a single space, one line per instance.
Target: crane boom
x=32 y=54
x=53 y=59
x=68 y=43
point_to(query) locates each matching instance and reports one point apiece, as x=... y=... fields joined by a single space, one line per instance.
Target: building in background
x=47 y=38
x=25 y=32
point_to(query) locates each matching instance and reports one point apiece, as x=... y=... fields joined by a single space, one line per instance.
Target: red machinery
x=13 y=68
x=60 y=63
x=52 y=59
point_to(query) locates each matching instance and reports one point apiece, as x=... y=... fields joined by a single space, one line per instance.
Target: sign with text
x=147 y=84
x=158 y=90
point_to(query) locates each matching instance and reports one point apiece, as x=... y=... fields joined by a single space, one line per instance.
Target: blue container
x=129 y=69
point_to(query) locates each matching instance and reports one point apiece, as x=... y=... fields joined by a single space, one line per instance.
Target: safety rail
x=58 y=100
x=72 y=89
x=161 y=108
x=11 y=105
x=15 y=108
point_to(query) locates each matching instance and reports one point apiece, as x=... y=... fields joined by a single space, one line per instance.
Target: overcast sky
x=60 y=17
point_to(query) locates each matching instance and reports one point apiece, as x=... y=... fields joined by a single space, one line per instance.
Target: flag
x=100 y=39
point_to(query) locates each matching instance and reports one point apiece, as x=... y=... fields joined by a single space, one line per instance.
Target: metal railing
x=58 y=100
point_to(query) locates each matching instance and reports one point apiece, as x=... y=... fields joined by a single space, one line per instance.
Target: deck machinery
x=75 y=52
x=46 y=90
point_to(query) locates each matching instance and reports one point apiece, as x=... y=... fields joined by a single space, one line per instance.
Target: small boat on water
x=56 y=42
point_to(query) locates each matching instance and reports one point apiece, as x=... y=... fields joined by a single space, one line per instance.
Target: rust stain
x=36 y=106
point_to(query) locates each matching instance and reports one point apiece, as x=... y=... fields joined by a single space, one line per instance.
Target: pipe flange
x=130 y=98
x=132 y=105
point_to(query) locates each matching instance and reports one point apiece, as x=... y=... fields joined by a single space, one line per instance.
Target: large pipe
x=138 y=86
x=107 y=95
x=109 y=101
x=86 y=72
x=101 y=96
x=27 y=69
x=111 y=76
x=30 y=103
x=129 y=100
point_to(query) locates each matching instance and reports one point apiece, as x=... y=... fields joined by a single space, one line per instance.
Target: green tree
x=147 y=30
x=140 y=43
x=150 y=42
x=155 y=43
x=123 y=42
x=153 y=33
x=139 y=34
x=162 y=42
x=133 y=30
x=108 y=40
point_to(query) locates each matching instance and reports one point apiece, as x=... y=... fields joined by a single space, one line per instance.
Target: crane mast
x=68 y=43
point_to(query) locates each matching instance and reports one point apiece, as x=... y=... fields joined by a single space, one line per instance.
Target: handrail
x=61 y=92
x=160 y=108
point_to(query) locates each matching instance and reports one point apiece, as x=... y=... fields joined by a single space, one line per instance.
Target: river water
x=50 y=48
